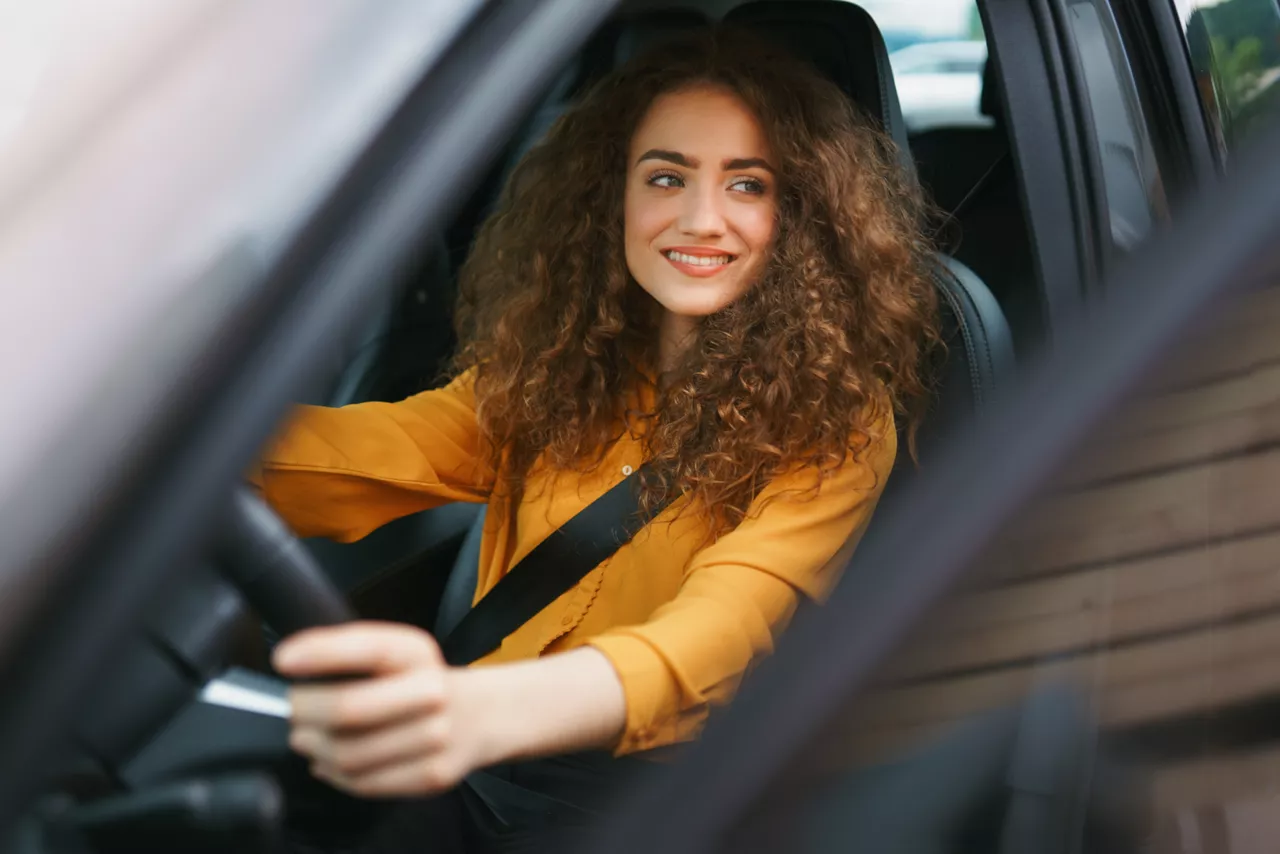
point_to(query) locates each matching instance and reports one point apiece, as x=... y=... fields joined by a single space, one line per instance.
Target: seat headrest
x=639 y=32
x=843 y=42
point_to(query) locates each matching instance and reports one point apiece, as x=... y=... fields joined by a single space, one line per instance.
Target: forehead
x=701 y=121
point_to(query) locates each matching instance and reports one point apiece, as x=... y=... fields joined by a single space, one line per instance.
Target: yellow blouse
x=679 y=620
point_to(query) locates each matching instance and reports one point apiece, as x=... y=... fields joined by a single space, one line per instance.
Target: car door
x=214 y=199
x=1101 y=675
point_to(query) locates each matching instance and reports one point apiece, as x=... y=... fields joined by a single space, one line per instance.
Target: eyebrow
x=693 y=163
x=669 y=156
x=747 y=163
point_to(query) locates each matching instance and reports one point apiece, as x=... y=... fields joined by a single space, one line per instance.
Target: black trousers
x=542 y=805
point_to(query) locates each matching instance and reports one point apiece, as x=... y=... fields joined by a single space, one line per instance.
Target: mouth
x=698 y=265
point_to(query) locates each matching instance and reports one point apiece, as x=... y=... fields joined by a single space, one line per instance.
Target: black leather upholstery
x=843 y=42
x=980 y=355
x=642 y=31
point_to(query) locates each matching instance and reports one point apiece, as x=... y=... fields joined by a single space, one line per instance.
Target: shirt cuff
x=653 y=714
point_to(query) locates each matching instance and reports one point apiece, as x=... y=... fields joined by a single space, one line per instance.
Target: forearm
x=558 y=704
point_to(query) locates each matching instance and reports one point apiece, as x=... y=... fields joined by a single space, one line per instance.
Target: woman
x=713 y=265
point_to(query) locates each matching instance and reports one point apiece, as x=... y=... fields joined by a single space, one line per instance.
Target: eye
x=665 y=179
x=747 y=184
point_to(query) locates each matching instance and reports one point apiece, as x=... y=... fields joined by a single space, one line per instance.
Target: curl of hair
x=793 y=375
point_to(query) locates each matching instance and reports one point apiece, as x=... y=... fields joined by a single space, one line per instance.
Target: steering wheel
x=201 y=768
x=273 y=569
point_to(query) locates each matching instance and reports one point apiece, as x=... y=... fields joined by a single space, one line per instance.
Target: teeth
x=699 y=260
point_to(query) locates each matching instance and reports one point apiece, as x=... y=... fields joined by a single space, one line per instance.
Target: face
x=701 y=201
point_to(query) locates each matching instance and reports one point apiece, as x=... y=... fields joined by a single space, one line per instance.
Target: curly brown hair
x=794 y=374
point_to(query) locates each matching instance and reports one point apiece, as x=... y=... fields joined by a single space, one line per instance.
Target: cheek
x=643 y=219
x=643 y=222
x=757 y=227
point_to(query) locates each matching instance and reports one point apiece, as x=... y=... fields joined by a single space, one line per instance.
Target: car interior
x=990 y=303
x=153 y=727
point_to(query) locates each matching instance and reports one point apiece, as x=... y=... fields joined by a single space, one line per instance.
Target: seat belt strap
x=963 y=204
x=553 y=566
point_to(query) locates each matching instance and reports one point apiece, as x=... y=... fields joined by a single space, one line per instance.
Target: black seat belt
x=555 y=564
x=963 y=204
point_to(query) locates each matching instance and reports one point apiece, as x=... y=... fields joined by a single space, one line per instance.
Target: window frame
x=1049 y=159
x=1154 y=37
x=1135 y=115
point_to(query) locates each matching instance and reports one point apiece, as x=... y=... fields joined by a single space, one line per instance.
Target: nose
x=703 y=212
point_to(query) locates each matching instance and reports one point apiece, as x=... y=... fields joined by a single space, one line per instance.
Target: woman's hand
x=411 y=725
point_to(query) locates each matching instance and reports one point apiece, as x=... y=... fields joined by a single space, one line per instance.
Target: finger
x=423 y=776
x=351 y=755
x=306 y=740
x=370 y=702
x=364 y=647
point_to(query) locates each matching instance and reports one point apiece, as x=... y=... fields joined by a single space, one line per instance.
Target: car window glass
x=937 y=50
x=1130 y=176
x=1234 y=46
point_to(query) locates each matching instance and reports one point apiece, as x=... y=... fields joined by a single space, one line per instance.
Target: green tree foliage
x=1237 y=44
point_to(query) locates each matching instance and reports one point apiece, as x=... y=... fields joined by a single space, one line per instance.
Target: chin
x=696 y=305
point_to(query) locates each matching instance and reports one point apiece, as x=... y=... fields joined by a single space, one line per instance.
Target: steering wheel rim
x=275 y=572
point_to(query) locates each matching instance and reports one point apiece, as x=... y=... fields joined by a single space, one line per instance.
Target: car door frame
x=1055 y=144
x=1153 y=36
x=1057 y=194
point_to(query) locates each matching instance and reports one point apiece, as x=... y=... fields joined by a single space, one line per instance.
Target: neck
x=675 y=334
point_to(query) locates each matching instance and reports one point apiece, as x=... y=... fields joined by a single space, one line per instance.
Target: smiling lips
x=698 y=261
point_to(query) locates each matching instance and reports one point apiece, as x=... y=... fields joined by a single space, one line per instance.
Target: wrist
x=485 y=707
x=521 y=710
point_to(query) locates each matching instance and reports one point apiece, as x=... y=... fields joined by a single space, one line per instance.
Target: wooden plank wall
x=1150 y=573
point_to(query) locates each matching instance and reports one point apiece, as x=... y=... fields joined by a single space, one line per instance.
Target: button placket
x=576 y=607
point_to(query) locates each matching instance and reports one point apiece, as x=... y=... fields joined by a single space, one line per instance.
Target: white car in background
x=940 y=84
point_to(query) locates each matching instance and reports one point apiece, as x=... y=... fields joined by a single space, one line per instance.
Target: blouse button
x=626 y=471
x=566 y=621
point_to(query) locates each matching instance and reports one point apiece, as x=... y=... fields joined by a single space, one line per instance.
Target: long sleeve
x=341 y=473
x=737 y=596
